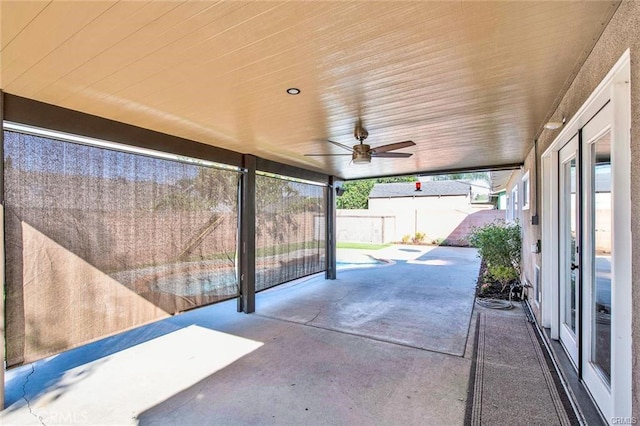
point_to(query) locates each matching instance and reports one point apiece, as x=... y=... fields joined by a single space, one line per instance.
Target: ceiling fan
x=361 y=153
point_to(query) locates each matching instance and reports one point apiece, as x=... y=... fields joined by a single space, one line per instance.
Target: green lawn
x=287 y=248
x=362 y=246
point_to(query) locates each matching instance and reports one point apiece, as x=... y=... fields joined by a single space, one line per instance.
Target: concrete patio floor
x=423 y=298
x=383 y=345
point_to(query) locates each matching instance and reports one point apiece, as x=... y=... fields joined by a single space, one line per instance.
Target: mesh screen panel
x=290 y=230
x=99 y=241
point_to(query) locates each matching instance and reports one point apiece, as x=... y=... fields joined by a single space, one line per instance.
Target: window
x=525 y=191
x=512 y=205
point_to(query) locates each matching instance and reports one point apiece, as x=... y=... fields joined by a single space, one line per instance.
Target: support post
x=330 y=229
x=2 y=283
x=247 y=243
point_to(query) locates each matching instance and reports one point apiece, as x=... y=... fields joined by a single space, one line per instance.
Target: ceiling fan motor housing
x=360 y=132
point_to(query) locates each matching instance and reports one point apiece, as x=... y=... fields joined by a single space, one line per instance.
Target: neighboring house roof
x=428 y=189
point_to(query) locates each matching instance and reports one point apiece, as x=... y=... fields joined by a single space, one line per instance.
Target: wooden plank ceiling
x=471 y=83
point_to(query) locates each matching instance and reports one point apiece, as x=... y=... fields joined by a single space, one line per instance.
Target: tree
x=209 y=189
x=395 y=179
x=274 y=211
x=356 y=194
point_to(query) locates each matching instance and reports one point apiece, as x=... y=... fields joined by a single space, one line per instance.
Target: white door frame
x=615 y=87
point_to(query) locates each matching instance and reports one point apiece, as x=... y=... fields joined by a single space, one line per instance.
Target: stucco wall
x=530 y=232
x=620 y=34
x=449 y=226
x=436 y=216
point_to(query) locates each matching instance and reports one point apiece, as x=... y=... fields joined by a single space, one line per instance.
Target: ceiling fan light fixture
x=361 y=158
x=361 y=154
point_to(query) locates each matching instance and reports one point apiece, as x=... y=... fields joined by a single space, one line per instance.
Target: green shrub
x=419 y=237
x=406 y=238
x=503 y=275
x=500 y=245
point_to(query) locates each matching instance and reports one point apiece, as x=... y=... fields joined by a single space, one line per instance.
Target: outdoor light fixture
x=360 y=154
x=293 y=91
x=552 y=125
x=360 y=158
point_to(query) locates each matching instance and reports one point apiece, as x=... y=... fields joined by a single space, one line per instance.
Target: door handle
x=574 y=266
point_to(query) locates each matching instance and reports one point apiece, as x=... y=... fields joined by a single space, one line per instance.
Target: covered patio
x=164 y=159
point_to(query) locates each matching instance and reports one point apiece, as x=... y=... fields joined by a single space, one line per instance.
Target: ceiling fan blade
x=348 y=148
x=391 y=154
x=325 y=155
x=392 y=146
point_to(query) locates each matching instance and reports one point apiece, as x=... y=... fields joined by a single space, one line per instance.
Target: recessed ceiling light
x=293 y=91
